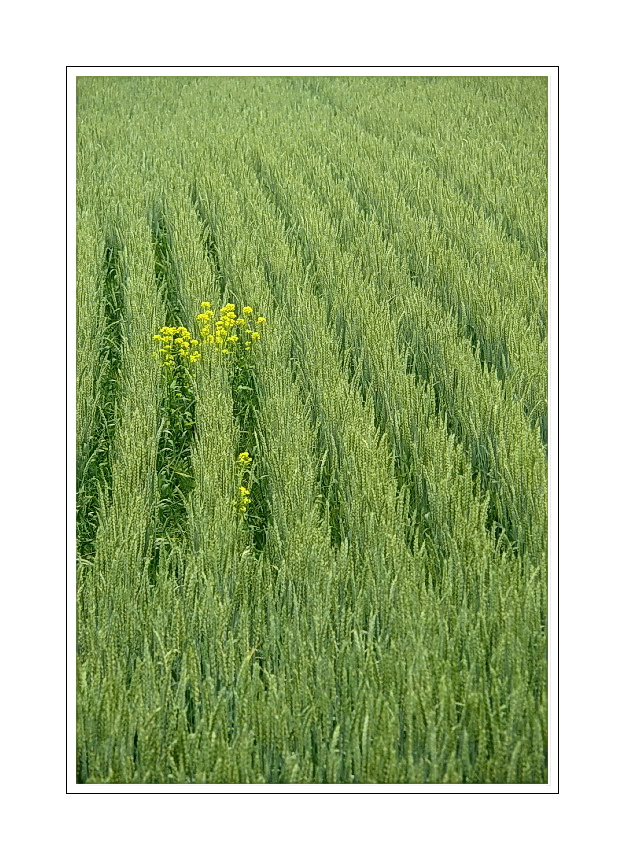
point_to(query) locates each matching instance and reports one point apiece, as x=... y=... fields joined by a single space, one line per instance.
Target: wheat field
x=322 y=558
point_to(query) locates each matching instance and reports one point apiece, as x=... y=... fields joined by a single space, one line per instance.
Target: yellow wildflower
x=242 y=500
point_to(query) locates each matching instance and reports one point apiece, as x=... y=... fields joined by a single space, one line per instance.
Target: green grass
x=379 y=613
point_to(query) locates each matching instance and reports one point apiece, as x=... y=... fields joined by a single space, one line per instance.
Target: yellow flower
x=247 y=310
x=255 y=335
x=260 y=320
x=242 y=500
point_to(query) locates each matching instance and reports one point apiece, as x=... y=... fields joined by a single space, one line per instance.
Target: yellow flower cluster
x=230 y=332
x=244 y=459
x=242 y=500
x=177 y=342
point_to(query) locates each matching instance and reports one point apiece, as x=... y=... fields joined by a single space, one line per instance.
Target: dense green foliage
x=376 y=612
